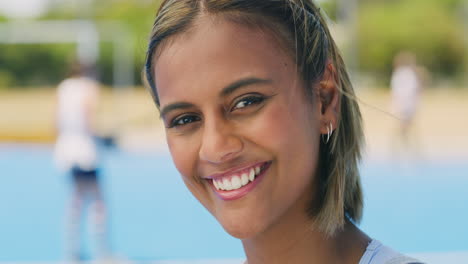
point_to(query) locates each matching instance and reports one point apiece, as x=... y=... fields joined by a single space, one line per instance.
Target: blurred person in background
x=406 y=86
x=76 y=153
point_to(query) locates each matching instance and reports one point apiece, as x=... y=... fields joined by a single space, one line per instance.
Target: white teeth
x=252 y=174
x=257 y=170
x=236 y=182
x=227 y=184
x=220 y=184
x=244 y=179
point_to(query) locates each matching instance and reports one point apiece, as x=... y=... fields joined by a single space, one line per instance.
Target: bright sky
x=22 y=8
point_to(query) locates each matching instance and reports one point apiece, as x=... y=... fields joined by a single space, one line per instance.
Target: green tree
x=431 y=29
x=46 y=64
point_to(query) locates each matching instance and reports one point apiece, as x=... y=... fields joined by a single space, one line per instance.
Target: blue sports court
x=415 y=207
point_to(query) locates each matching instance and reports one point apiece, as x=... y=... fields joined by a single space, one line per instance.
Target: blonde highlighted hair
x=300 y=25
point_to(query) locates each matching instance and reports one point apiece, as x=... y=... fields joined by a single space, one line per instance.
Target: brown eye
x=247 y=101
x=184 y=120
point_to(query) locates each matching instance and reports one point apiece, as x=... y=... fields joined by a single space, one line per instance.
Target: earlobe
x=329 y=96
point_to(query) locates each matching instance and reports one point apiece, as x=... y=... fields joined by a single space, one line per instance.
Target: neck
x=295 y=240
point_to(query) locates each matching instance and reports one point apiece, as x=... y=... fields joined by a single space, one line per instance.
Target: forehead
x=214 y=53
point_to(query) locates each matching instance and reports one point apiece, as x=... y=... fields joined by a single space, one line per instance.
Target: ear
x=329 y=99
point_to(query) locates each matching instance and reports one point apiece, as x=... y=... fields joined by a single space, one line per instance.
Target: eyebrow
x=174 y=106
x=242 y=83
x=231 y=88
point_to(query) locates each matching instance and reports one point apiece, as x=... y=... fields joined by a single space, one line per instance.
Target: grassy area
x=440 y=130
x=29 y=115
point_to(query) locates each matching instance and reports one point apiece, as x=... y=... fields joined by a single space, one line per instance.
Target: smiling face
x=240 y=129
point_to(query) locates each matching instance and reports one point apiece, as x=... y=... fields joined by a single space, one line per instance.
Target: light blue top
x=376 y=253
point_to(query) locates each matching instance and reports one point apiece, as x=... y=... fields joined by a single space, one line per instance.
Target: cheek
x=285 y=129
x=290 y=134
x=184 y=152
x=184 y=155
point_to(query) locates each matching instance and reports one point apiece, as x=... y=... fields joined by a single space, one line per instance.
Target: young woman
x=262 y=125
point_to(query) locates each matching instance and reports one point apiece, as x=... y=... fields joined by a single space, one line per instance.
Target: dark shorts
x=80 y=174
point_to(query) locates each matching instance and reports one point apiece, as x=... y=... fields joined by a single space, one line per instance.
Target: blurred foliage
x=29 y=65
x=33 y=64
x=432 y=29
x=138 y=18
x=330 y=8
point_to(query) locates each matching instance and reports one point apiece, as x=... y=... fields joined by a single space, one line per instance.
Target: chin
x=240 y=231
x=240 y=227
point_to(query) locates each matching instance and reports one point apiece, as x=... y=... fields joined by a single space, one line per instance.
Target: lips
x=234 y=185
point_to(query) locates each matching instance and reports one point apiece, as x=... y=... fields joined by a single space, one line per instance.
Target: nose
x=220 y=143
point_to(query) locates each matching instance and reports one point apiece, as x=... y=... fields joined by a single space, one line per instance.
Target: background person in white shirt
x=406 y=86
x=76 y=154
